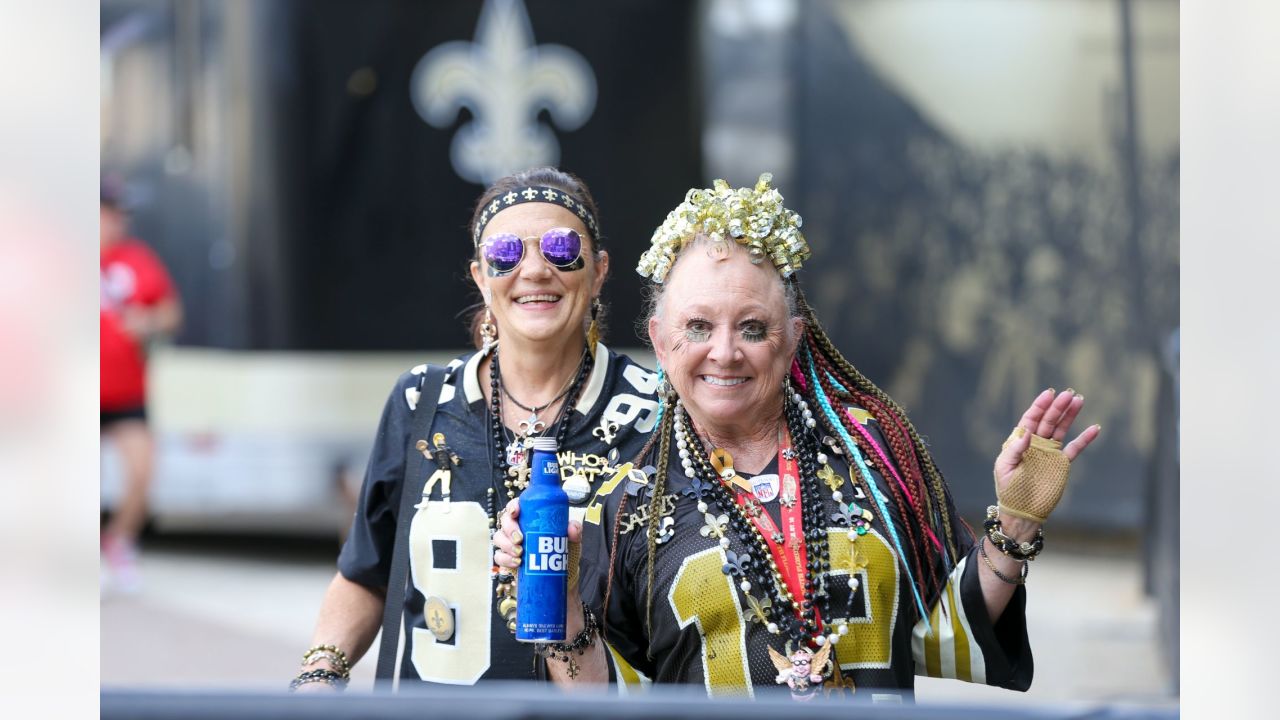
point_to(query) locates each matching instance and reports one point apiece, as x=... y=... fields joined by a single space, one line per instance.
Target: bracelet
x=333 y=654
x=328 y=677
x=564 y=651
x=1007 y=545
x=1020 y=580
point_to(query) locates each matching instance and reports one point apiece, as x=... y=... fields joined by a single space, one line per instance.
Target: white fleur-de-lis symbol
x=504 y=80
x=714 y=527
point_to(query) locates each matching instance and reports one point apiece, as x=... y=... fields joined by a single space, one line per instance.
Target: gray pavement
x=241 y=618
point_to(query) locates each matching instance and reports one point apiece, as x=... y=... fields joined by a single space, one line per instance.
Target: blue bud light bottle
x=544 y=523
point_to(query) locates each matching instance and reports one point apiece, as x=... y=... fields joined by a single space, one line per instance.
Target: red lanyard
x=790 y=554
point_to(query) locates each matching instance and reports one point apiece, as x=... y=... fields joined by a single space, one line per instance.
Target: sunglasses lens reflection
x=561 y=246
x=503 y=252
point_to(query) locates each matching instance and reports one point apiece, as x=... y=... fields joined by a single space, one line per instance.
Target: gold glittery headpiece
x=752 y=217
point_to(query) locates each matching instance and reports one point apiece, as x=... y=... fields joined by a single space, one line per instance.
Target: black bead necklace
x=498 y=431
x=758 y=567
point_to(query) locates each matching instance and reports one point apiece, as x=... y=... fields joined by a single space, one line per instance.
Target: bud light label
x=546 y=554
x=543 y=576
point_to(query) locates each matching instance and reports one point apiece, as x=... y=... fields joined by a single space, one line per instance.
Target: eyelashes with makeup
x=697 y=330
x=700 y=331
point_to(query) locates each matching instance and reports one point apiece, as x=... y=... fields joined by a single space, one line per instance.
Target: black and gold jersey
x=450 y=554
x=697 y=625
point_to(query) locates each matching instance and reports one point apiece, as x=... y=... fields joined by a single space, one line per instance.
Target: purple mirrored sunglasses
x=560 y=246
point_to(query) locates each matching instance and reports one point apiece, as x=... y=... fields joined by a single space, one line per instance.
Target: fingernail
x=517 y=537
x=1099 y=427
x=1080 y=395
x=1071 y=390
x=1055 y=392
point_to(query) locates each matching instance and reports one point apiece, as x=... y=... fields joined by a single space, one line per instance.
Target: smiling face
x=725 y=339
x=537 y=302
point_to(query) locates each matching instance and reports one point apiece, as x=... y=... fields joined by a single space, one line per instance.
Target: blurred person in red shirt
x=138 y=303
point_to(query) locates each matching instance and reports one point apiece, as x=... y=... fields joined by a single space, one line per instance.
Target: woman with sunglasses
x=539 y=370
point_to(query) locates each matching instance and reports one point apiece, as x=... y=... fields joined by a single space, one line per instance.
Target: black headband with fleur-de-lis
x=535 y=193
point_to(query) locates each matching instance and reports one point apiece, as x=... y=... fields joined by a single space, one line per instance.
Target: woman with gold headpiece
x=539 y=369
x=790 y=528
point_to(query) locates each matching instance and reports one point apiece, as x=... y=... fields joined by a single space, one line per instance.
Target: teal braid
x=662 y=397
x=834 y=420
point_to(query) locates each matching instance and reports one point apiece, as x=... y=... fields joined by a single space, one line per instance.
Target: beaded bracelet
x=328 y=677
x=1008 y=546
x=1020 y=580
x=333 y=654
x=564 y=651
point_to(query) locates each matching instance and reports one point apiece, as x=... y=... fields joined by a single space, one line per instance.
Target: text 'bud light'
x=542 y=588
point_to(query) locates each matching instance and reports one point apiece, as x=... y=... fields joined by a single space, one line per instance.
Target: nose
x=534 y=266
x=724 y=347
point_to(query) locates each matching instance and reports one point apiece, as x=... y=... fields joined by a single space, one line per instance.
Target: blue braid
x=876 y=494
x=948 y=562
x=662 y=398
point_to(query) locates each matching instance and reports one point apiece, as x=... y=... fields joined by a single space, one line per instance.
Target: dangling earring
x=593 y=330
x=488 y=331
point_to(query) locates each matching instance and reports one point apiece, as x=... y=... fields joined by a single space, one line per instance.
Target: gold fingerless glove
x=1038 y=482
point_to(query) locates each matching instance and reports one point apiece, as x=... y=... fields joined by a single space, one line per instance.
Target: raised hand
x=1031 y=489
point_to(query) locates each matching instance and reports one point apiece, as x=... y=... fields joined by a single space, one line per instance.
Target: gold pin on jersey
x=439 y=618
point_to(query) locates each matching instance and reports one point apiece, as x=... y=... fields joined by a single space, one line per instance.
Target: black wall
x=373 y=246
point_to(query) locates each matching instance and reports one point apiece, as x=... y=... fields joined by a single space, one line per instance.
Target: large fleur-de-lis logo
x=504 y=80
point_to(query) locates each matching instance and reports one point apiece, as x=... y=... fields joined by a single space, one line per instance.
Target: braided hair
x=917 y=487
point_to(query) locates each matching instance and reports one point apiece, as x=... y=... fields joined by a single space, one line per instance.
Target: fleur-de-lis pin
x=521 y=475
x=666 y=530
x=758 y=609
x=505 y=81
x=859 y=560
x=714 y=527
x=841 y=516
x=697 y=489
x=607 y=431
x=736 y=565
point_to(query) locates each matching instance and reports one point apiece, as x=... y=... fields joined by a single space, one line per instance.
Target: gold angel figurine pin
x=803 y=671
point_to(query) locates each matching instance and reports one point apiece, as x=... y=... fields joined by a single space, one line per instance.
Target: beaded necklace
x=514 y=476
x=800 y=619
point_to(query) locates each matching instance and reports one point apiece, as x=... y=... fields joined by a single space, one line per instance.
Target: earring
x=593 y=330
x=488 y=331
